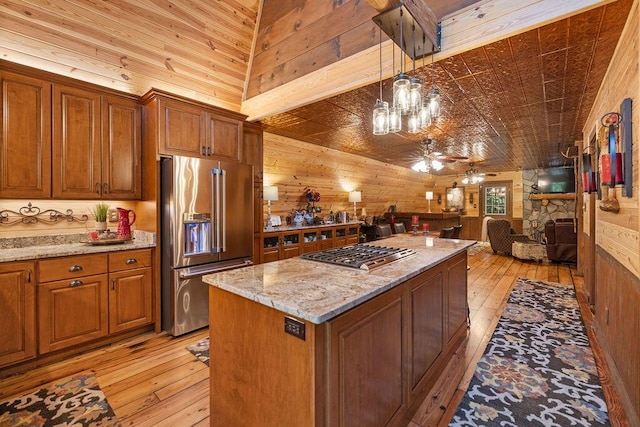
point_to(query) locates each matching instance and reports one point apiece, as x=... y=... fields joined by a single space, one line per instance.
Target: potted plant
x=100 y=212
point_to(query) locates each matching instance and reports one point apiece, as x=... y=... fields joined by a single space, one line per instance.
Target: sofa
x=502 y=236
x=561 y=240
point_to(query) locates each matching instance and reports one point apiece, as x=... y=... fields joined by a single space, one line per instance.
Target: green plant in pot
x=100 y=212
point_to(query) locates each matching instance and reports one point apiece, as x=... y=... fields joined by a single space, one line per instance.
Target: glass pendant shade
x=434 y=103
x=415 y=94
x=395 y=120
x=413 y=121
x=381 y=118
x=425 y=114
x=401 y=93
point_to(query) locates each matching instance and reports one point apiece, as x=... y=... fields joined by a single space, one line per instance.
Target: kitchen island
x=303 y=343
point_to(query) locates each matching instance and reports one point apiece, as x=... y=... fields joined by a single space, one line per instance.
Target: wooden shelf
x=549 y=196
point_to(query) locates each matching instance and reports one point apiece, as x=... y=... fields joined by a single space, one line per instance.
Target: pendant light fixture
x=409 y=93
x=381 y=110
x=434 y=94
x=401 y=82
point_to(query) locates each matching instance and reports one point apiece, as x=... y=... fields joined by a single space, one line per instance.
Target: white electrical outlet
x=113 y=215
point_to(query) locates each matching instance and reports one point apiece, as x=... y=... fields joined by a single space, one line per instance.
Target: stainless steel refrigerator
x=207 y=226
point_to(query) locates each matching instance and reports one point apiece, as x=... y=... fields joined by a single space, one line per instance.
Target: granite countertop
x=39 y=247
x=317 y=292
x=303 y=227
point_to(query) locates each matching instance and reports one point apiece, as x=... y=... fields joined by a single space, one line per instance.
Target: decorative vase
x=101 y=226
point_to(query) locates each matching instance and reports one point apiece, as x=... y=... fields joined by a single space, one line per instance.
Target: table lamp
x=270 y=193
x=355 y=197
x=429 y=196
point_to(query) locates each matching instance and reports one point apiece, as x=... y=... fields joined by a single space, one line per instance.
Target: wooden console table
x=436 y=220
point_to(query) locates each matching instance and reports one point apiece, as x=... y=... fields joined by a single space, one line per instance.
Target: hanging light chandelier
x=408 y=98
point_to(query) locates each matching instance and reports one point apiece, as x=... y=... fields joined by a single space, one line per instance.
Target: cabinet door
x=252 y=149
x=366 y=364
x=25 y=141
x=17 y=312
x=121 y=149
x=456 y=292
x=223 y=137
x=182 y=129
x=72 y=311
x=76 y=144
x=130 y=303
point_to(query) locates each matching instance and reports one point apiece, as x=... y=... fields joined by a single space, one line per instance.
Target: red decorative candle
x=414 y=219
x=425 y=227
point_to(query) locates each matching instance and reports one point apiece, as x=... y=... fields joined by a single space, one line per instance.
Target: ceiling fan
x=473 y=176
x=433 y=159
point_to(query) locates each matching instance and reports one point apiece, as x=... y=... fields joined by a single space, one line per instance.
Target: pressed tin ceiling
x=516 y=103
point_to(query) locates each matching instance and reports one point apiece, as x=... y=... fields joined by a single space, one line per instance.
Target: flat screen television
x=557 y=180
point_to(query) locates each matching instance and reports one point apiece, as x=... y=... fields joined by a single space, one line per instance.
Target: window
x=495 y=201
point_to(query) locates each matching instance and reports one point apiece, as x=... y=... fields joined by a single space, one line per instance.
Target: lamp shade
x=270 y=192
x=355 y=196
x=429 y=195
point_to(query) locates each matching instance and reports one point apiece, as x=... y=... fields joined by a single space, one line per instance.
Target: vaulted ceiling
x=517 y=77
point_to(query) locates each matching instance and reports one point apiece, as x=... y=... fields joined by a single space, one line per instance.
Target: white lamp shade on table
x=355 y=196
x=429 y=195
x=270 y=192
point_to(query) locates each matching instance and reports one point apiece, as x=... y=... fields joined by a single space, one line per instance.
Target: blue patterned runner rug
x=538 y=368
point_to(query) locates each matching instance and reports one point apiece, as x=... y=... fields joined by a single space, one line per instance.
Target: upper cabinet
x=72 y=141
x=188 y=128
x=25 y=140
x=96 y=145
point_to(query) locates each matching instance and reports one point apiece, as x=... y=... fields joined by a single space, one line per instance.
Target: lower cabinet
x=17 y=312
x=82 y=298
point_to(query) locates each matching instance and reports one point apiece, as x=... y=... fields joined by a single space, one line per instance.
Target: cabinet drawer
x=128 y=260
x=71 y=266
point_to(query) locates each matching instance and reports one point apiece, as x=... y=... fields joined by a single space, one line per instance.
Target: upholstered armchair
x=502 y=236
x=562 y=240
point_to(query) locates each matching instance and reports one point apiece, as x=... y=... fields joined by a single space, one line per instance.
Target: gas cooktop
x=360 y=256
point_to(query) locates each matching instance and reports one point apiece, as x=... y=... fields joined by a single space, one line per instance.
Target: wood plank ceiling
x=512 y=103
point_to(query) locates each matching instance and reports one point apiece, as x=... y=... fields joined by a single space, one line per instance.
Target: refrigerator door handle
x=223 y=248
x=215 y=208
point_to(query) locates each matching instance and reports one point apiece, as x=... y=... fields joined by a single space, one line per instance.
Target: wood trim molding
x=480 y=24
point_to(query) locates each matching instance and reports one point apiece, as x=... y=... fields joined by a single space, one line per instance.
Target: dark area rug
x=478 y=248
x=538 y=368
x=201 y=350
x=73 y=401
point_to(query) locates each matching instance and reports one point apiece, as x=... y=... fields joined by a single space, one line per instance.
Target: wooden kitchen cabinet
x=17 y=312
x=96 y=145
x=85 y=297
x=280 y=245
x=188 y=128
x=130 y=290
x=72 y=301
x=25 y=137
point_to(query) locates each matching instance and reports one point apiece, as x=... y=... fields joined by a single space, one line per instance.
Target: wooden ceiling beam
x=477 y=25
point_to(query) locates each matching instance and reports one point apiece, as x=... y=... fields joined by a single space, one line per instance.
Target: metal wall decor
x=32 y=215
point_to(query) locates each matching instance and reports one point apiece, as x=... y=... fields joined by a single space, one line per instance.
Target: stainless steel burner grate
x=360 y=256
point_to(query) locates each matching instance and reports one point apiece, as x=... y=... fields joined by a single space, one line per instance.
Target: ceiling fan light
x=395 y=120
x=437 y=164
x=401 y=92
x=381 y=118
x=434 y=102
x=465 y=180
x=421 y=166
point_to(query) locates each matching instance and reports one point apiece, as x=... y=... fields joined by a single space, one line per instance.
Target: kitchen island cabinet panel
x=17 y=312
x=25 y=142
x=366 y=363
x=456 y=295
x=427 y=324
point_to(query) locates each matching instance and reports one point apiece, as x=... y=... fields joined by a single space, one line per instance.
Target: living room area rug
x=74 y=401
x=200 y=349
x=538 y=368
x=479 y=247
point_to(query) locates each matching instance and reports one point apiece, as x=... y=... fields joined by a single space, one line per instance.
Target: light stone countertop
x=39 y=247
x=317 y=291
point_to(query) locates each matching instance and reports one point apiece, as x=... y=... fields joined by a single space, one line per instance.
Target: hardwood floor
x=152 y=380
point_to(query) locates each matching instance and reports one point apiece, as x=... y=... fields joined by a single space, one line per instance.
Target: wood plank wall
x=293 y=166
x=617 y=258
